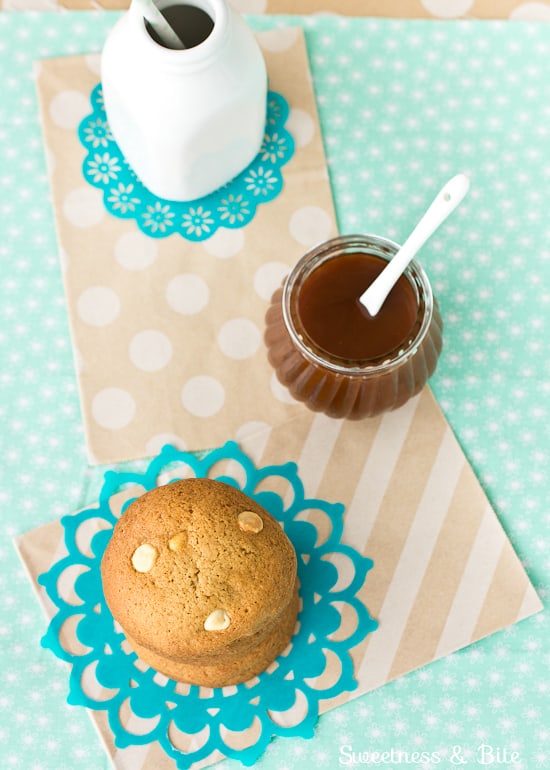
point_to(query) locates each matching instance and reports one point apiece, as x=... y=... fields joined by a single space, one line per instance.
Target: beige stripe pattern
x=444 y=573
x=444 y=576
x=380 y=465
x=414 y=558
x=472 y=589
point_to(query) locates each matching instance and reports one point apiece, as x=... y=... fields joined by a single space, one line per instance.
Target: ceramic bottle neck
x=201 y=49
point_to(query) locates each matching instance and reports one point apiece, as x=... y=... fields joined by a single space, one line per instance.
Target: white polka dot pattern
x=168 y=315
x=68 y=108
x=447 y=8
x=187 y=294
x=278 y=40
x=225 y=243
x=203 y=396
x=436 y=9
x=310 y=225
x=113 y=408
x=301 y=126
x=83 y=207
x=268 y=278
x=150 y=350
x=98 y=306
x=531 y=12
x=372 y=78
x=250 y=6
x=239 y=338
x=134 y=251
x=279 y=392
x=155 y=443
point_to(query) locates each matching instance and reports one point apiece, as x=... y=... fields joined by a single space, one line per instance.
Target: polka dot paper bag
x=445 y=572
x=167 y=329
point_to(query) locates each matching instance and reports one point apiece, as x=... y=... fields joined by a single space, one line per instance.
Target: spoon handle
x=445 y=202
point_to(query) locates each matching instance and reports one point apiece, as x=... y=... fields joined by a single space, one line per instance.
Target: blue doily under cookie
x=232 y=206
x=282 y=701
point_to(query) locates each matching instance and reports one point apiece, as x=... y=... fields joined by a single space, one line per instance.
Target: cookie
x=203 y=582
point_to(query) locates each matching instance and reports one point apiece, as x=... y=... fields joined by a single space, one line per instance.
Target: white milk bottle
x=187 y=120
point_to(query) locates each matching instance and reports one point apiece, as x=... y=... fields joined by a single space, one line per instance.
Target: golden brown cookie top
x=196 y=565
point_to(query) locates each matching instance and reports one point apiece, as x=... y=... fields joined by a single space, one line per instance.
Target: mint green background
x=403 y=106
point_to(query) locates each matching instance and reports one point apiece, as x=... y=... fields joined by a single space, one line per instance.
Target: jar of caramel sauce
x=326 y=348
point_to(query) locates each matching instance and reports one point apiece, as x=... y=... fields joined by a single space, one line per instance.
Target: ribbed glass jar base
x=343 y=389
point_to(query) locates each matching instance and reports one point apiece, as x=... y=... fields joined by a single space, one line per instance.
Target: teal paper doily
x=233 y=205
x=103 y=671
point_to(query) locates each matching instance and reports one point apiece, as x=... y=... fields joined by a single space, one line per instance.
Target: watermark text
x=483 y=755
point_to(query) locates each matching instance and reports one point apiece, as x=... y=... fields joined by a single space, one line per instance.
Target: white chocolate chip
x=217 y=621
x=178 y=542
x=250 y=522
x=144 y=557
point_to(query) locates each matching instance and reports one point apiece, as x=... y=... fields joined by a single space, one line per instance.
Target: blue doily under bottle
x=232 y=206
x=192 y=723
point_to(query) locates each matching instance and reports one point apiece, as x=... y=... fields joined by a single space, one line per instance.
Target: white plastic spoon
x=158 y=22
x=446 y=201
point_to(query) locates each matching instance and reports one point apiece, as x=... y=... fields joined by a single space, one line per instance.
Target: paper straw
x=159 y=24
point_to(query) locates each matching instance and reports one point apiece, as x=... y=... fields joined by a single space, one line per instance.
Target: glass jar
x=341 y=384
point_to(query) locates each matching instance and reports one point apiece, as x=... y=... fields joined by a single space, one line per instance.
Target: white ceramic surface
x=189 y=120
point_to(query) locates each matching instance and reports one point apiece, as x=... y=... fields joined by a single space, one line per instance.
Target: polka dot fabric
x=401 y=106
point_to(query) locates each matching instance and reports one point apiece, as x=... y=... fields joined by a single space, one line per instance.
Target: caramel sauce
x=326 y=348
x=332 y=316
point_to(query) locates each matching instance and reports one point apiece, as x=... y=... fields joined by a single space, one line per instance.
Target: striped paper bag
x=445 y=575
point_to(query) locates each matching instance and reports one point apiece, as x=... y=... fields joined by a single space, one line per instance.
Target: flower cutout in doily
x=233 y=205
x=193 y=723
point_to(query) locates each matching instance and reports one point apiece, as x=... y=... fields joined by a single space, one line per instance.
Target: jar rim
x=195 y=55
x=332 y=249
